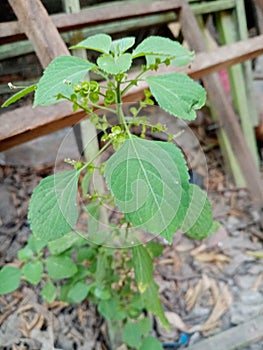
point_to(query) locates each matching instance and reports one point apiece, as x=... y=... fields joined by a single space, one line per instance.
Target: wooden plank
x=39 y=29
x=11 y=31
x=25 y=123
x=225 y=112
x=212 y=6
x=229 y=33
x=234 y=338
x=15 y=49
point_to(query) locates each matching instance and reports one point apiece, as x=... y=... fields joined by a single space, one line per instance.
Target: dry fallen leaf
x=256 y=254
x=212 y=257
x=221 y=306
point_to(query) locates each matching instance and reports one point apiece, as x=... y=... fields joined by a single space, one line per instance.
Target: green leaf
x=198 y=221
x=52 y=209
x=155 y=249
x=158 y=47
x=151 y=343
x=149 y=190
x=59 y=267
x=33 y=271
x=78 y=292
x=9 y=279
x=119 y=46
x=25 y=253
x=145 y=325
x=111 y=310
x=153 y=304
x=49 y=292
x=59 y=78
x=97 y=42
x=35 y=244
x=115 y=65
x=177 y=94
x=131 y=334
x=143 y=267
x=62 y=244
x=19 y=95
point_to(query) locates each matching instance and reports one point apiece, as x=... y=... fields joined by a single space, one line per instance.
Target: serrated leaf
x=17 y=96
x=110 y=309
x=143 y=267
x=59 y=267
x=177 y=94
x=151 y=343
x=49 y=292
x=158 y=47
x=198 y=222
x=62 y=244
x=78 y=292
x=147 y=180
x=131 y=334
x=98 y=42
x=153 y=304
x=119 y=46
x=33 y=271
x=9 y=279
x=52 y=209
x=59 y=78
x=115 y=65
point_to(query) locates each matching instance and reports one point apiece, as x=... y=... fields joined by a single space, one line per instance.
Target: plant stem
x=96 y=156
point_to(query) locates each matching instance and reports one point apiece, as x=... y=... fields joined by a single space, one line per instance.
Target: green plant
x=147 y=181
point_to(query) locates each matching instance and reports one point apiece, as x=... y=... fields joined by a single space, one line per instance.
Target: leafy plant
x=147 y=181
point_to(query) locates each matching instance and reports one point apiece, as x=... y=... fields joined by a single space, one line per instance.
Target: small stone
x=251 y=297
x=245 y=281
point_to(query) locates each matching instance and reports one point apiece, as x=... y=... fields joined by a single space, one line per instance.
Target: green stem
x=140 y=75
x=119 y=113
x=96 y=156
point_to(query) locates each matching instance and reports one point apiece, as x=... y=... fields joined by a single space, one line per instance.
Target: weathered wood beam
x=225 y=113
x=12 y=31
x=237 y=337
x=40 y=30
x=26 y=123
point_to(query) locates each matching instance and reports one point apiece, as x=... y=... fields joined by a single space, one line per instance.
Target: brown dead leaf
x=193 y=294
x=222 y=304
x=176 y=321
x=212 y=257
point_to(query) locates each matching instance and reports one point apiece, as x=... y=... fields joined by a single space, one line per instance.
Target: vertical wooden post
x=40 y=30
x=225 y=112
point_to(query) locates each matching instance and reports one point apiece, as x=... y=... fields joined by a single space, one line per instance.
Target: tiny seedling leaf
x=59 y=267
x=9 y=279
x=151 y=343
x=131 y=334
x=78 y=292
x=33 y=271
x=59 y=78
x=49 y=292
x=52 y=209
x=19 y=95
x=177 y=94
